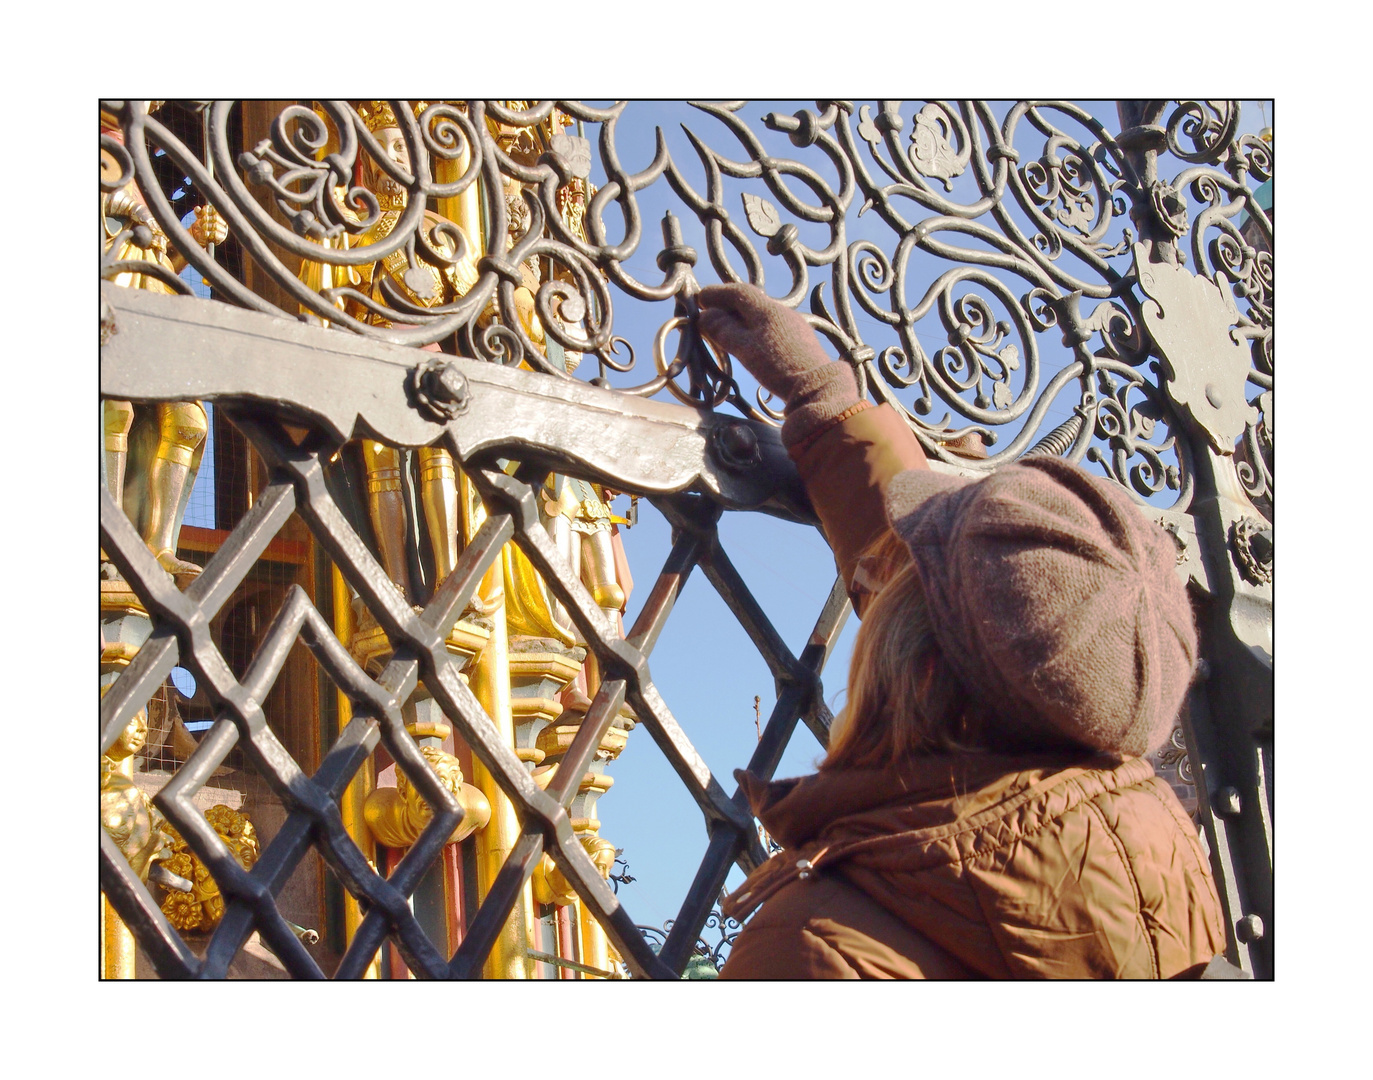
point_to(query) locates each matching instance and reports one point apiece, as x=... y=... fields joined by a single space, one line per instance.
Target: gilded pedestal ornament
x=397 y=815
x=200 y=909
x=151 y=451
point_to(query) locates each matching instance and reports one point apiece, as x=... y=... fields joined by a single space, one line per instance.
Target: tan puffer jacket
x=976 y=865
x=1061 y=865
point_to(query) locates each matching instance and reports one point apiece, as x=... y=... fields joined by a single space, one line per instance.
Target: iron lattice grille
x=298 y=485
x=1047 y=218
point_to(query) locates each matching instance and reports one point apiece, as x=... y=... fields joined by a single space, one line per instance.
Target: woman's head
x=1034 y=609
x=903 y=700
x=1056 y=601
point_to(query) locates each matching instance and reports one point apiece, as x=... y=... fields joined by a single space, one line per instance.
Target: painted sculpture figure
x=163 y=440
x=424 y=286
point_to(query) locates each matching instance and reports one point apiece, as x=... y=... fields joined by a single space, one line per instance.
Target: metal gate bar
x=797 y=698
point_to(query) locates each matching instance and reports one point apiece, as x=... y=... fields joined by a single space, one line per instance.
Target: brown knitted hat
x=1054 y=600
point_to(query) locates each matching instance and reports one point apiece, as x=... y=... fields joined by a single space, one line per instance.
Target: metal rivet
x=1249 y=929
x=737 y=445
x=441 y=391
x=1227 y=802
x=807 y=871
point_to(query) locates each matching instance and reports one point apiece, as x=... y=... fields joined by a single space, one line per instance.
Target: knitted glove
x=784 y=354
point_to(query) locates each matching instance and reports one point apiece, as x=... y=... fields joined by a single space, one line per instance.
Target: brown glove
x=783 y=353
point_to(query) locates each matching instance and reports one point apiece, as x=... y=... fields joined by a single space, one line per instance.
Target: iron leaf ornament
x=762 y=215
x=1190 y=318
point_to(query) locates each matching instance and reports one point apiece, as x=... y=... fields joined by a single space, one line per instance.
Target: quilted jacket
x=976 y=865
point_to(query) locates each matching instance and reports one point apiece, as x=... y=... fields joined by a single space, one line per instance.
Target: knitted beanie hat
x=1054 y=600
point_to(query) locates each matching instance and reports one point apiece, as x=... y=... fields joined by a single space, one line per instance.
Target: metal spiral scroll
x=974 y=264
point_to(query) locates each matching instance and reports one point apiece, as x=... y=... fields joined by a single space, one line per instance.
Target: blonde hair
x=903 y=699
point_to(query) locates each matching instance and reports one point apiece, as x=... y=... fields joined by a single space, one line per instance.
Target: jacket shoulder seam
x=979 y=824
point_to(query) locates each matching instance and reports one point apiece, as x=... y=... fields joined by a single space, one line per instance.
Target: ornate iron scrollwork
x=1030 y=201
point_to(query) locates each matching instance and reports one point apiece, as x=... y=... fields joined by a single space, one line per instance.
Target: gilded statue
x=582 y=525
x=397 y=815
x=550 y=883
x=424 y=286
x=581 y=521
x=126 y=813
x=165 y=439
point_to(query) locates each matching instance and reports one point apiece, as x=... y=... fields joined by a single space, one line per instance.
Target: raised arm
x=1053 y=598
x=846 y=449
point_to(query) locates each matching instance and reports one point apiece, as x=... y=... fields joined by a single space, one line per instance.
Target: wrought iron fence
x=509 y=232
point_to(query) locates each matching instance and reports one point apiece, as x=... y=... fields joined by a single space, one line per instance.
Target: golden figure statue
x=397 y=815
x=170 y=435
x=551 y=885
x=133 y=823
x=580 y=520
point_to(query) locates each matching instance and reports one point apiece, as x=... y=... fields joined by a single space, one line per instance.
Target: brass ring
x=661 y=363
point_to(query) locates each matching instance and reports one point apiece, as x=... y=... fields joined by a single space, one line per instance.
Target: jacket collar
x=798 y=810
x=826 y=818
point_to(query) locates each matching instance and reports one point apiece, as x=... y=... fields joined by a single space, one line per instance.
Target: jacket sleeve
x=846 y=471
x=785 y=952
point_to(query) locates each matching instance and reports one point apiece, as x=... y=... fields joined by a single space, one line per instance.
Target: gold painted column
x=116 y=939
x=350 y=805
x=490 y=681
x=595 y=947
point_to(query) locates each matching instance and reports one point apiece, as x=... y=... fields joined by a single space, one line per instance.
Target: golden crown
x=377 y=115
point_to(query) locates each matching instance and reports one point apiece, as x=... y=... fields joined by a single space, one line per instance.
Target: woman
x=984 y=809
